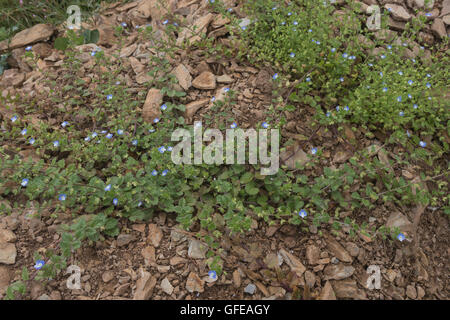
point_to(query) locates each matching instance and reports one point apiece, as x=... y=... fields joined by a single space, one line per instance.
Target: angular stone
x=338 y=250
x=124 y=239
x=151 y=109
x=5 y=278
x=183 y=76
x=250 y=288
x=8 y=253
x=154 y=235
x=327 y=292
x=194 y=106
x=293 y=156
x=197 y=250
x=338 y=271
x=31 y=35
x=294 y=263
x=398 y=220
x=205 y=81
x=310 y=278
x=348 y=289
x=149 y=255
x=438 y=28
x=312 y=254
x=12 y=78
x=166 y=286
x=144 y=286
x=398 y=12
x=194 y=283
x=107 y=276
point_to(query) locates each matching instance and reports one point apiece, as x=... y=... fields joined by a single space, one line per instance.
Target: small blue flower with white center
x=274 y=8
x=213 y=99
x=93 y=53
x=230 y=10
x=115 y=201
x=87 y=139
x=317 y=42
x=346 y=108
x=169 y=149
x=109 y=97
x=337 y=108
x=163 y=107
x=14 y=119
x=401 y=237
x=428 y=75
x=62 y=197
x=404 y=44
x=399 y=98
x=370 y=64
x=28 y=48
x=23 y=132
x=389 y=9
x=124 y=24
x=292 y=55
x=39 y=264
x=409 y=96
x=385 y=89
x=137 y=26
x=313 y=150
x=428 y=14
x=140 y=204
x=289 y=13
x=381 y=73
x=175 y=24
x=31 y=141
x=423 y=144
x=56 y=143
x=383 y=56
x=154 y=173
x=302 y=213
x=212 y=275
x=134 y=142
x=233 y=125
x=164 y=173
x=401 y=113
x=428 y=85
x=408 y=133
x=156 y=120
x=64 y=124
x=109 y=136
x=94 y=134
x=400 y=73
x=103 y=132
x=151 y=130
x=328 y=114
x=308 y=79
x=120 y=132
x=108 y=187
x=117 y=83
x=295 y=23
x=389 y=47
x=275 y=76
x=410 y=82
x=283 y=23
x=333 y=50
x=24 y=182
x=244 y=28
x=415 y=106
x=341 y=79
x=162 y=149
x=310 y=30
x=265 y=125
x=165 y=22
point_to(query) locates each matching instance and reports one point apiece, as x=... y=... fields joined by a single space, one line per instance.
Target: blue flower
x=292 y=55
x=109 y=97
x=400 y=73
x=230 y=10
x=328 y=114
x=295 y=23
x=401 y=113
x=151 y=130
x=117 y=83
x=31 y=141
x=120 y=132
x=244 y=28
x=165 y=22
x=226 y=89
x=169 y=149
x=23 y=132
x=370 y=64
x=337 y=108
x=233 y=125
x=346 y=108
x=389 y=47
x=62 y=197
x=382 y=56
x=109 y=136
x=162 y=149
x=428 y=75
x=409 y=96
x=310 y=30
x=93 y=53
x=156 y=120
x=333 y=49
x=410 y=82
x=124 y=24
x=24 y=182
x=408 y=133
x=39 y=264
x=56 y=143
x=428 y=14
x=314 y=150
x=154 y=173
x=87 y=139
x=28 y=48
x=139 y=203
x=213 y=99
x=308 y=79
x=428 y=85
x=302 y=213
x=415 y=106
x=381 y=73
x=64 y=124
x=344 y=55
x=94 y=134
x=134 y=142
x=163 y=107
x=14 y=118
x=108 y=187
x=103 y=131
x=115 y=201
x=317 y=42
x=164 y=173
x=212 y=275
x=385 y=89
x=289 y=13
x=423 y=144
x=399 y=98
x=275 y=76
x=283 y=23
x=265 y=125
x=401 y=237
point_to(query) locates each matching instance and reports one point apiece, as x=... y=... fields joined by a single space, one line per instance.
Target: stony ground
x=157 y=260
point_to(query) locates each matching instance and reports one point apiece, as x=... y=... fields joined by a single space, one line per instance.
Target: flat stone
x=197 y=250
x=327 y=292
x=31 y=35
x=149 y=255
x=7 y=236
x=438 y=28
x=166 y=286
x=194 y=106
x=250 y=288
x=154 y=235
x=411 y=292
x=194 y=283
x=12 y=78
x=225 y=79
x=183 y=76
x=348 y=289
x=205 y=81
x=446 y=19
x=312 y=254
x=398 y=12
x=310 y=278
x=338 y=250
x=293 y=262
x=8 y=253
x=152 y=104
x=144 y=286
x=107 y=276
x=5 y=279
x=398 y=220
x=124 y=239
x=293 y=156
x=338 y=271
